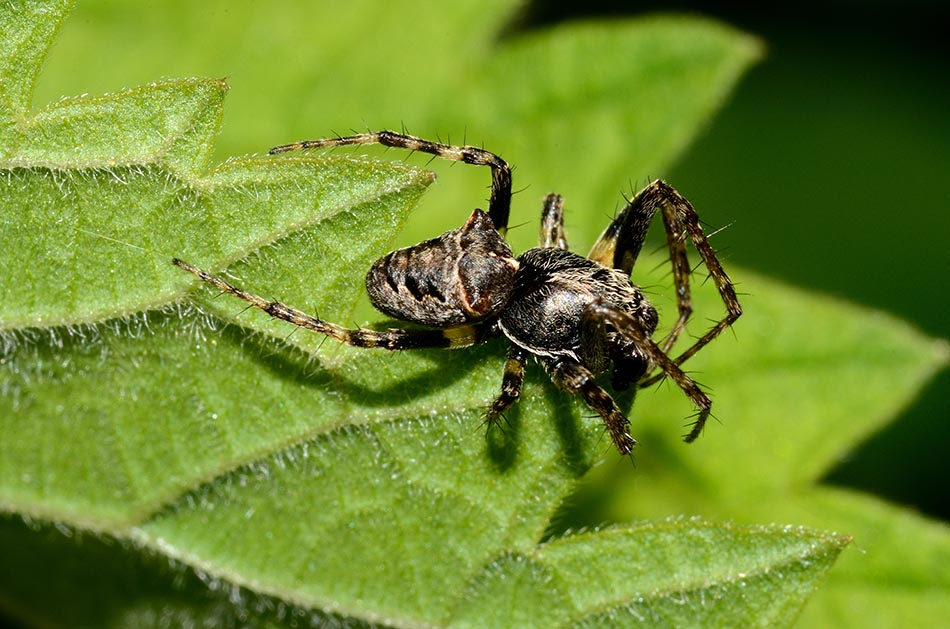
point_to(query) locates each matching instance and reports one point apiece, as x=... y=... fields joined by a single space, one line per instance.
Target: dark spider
x=577 y=316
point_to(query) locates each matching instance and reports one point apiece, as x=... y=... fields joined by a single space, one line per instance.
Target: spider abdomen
x=462 y=276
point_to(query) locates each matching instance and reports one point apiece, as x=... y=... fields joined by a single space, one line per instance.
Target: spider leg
x=597 y=350
x=679 y=217
x=498 y=206
x=630 y=327
x=511 y=384
x=620 y=245
x=576 y=379
x=392 y=339
x=552 y=223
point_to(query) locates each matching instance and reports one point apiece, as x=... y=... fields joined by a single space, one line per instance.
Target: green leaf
x=157 y=424
x=125 y=167
x=28 y=28
x=667 y=573
x=678 y=573
x=899 y=577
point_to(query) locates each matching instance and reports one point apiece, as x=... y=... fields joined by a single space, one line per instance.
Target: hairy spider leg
x=572 y=377
x=552 y=223
x=621 y=242
x=391 y=339
x=620 y=245
x=679 y=209
x=499 y=205
x=630 y=327
x=511 y=383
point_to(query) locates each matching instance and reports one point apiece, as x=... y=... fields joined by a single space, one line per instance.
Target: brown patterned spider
x=577 y=316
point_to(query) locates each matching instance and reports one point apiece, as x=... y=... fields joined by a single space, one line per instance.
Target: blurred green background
x=829 y=163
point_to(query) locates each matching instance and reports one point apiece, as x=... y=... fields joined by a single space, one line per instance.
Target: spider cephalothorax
x=577 y=316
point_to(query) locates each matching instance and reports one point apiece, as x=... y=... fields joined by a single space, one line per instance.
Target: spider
x=579 y=317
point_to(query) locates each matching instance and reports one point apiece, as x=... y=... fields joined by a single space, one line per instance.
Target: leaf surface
x=160 y=424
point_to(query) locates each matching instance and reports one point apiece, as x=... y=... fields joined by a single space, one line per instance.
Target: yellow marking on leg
x=461 y=336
